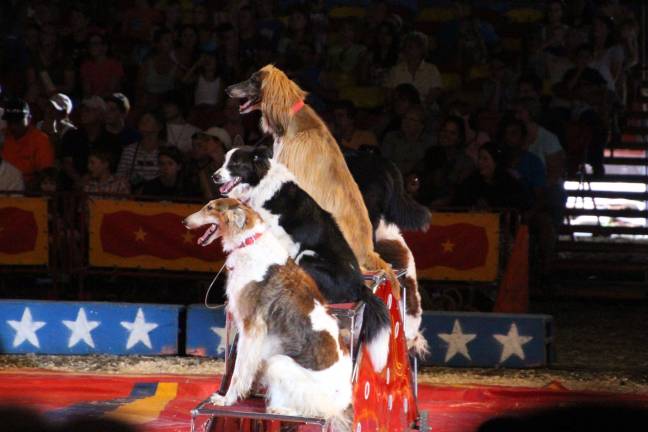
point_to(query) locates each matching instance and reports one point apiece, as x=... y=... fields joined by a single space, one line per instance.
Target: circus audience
x=56 y=118
x=11 y=178
x=407 y=145
x=210 y=147
x=178 y=130
x=172 y=181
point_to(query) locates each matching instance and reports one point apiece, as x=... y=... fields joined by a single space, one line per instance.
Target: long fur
x=287 y=337
x=304 y=144
x=309 y=234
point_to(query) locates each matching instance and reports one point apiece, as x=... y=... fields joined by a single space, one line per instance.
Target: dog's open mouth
x=228 y=186
x=248 y=105
x=208 y=236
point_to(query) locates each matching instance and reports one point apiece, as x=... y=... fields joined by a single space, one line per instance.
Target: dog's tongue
x=227 y=187
x=203 y=238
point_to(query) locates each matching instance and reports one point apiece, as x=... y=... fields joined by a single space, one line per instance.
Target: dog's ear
x=238 y=217
x=261 y=153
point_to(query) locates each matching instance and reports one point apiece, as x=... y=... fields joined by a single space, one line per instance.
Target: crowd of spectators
x=475 y=109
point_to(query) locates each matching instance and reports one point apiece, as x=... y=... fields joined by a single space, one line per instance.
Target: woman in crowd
x=139 y=161
x=101 y=74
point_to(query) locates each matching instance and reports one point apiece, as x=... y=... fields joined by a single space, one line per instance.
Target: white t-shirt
x=545 y=144
x=11 y=178
x=208 y=92
x=425 y=78
x=603 y=64
x=179 y=135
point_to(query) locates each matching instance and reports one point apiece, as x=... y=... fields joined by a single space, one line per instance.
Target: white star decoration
x=26 y=329
x=512 y=343
x=81 y=329
x=222 y=335
x=457 y=342
x=139 y=330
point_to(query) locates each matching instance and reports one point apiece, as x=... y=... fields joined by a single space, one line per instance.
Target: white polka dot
x=396 y=329
x=390 y=402
x=389 y=301
x=387 y=377
x=358 y=427
x=367 y=389
x=405 y=405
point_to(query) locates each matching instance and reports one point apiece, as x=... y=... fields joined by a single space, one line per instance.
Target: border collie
x=287 y=336
x=309 y=234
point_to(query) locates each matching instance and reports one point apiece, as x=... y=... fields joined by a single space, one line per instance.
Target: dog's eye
x=210 y=207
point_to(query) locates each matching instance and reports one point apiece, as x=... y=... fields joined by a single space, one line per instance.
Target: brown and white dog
x=304 y=144
x=287 y=338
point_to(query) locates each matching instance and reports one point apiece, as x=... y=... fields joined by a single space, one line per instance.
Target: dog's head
x=225 y=217
x=268 y=90
x=244 y=167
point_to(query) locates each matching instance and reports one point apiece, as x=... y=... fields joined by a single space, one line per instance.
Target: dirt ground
x=600 y=346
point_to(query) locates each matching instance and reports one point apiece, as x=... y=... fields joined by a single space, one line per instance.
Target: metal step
x=630 y=145
x=624 y=213
x=603 y=247
x=635 y=196
x=635 y=161
x=604 y=230
x=615 y=178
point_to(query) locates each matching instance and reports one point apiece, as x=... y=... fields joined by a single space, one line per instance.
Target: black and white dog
x=390 y=210
x=309 y=234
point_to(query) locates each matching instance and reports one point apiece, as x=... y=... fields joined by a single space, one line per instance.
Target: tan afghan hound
x=303 y=143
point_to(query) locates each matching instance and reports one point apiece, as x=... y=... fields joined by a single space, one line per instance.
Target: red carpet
x=163 y=403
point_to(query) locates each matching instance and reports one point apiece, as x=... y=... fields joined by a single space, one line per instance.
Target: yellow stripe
x=147 y=409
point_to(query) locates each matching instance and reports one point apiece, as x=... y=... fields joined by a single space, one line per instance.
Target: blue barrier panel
x=205 y=331
x=45 y=327
x=470 y=339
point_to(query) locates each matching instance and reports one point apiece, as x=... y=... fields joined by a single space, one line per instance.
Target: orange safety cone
x=513 y=295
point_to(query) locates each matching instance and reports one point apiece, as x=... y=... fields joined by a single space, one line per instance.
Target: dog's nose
x=216 y=178
x=185 y=223
x=228 y=90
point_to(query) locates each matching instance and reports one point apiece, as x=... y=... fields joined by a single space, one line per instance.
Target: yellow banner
x=148 y=235
x=23 y=231
x=457 y=247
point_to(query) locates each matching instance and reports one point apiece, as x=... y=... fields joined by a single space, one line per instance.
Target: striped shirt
x=112 y=185
x=137 y=164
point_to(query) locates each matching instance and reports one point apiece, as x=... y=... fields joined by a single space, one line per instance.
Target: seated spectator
x=11 y=178
x=101 y=179
x=499 y=87
x=523 y=164
x=25 y=147
x=554 y=31
x=185 y=54
x=413 y=69
x=52 y=69
x=117 y=108
x=581 y=73
x=178 y=131
x=546 y=146
x=405 y=96
x=607 y=54
x=77 y=144
x=235 y=126
x=171 y=181
x=383 y=52
x=47 y=180
x=492 y=186
x=209 y=155
x=407 y=146
x=157 y=75
x=101 y=74
x=471 y=49
x=443 y=167
x=206 y=80
x=299 y=32
x=346 y=61
x=139 y=161
x=345 y=131
x=57 y=118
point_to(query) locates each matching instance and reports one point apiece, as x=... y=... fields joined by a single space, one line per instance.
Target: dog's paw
x=220 y=400
x=282 y=411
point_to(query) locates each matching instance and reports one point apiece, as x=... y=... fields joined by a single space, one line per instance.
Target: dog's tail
x=376 y=328
x=402 y=210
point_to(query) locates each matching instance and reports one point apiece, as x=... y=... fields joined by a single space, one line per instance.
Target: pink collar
x=249 y=241
x=296 y=107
